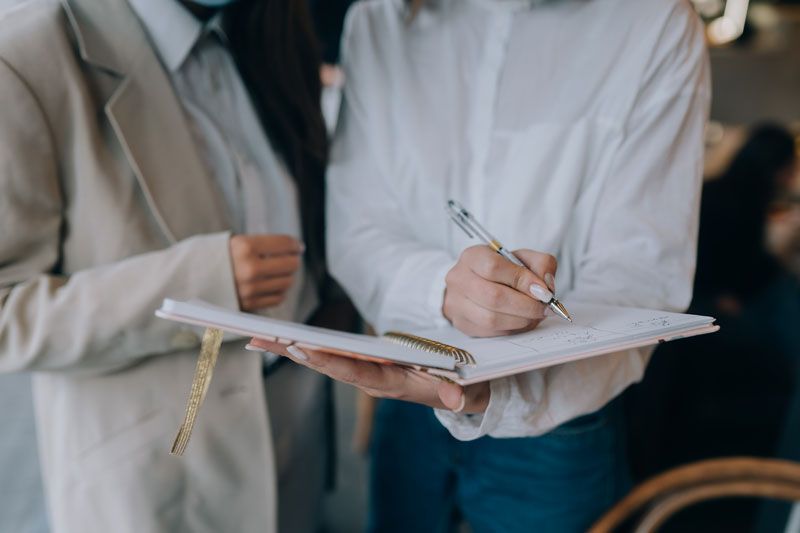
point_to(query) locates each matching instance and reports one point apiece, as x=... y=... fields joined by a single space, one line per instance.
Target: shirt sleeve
x=404 y=282
x=641 y=246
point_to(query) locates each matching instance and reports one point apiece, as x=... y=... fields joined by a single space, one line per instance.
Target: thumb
x=452 y=396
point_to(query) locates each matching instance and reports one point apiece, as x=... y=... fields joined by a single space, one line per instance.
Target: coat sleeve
x=95 y=320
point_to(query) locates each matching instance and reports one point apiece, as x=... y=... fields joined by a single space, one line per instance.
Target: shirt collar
x=173 y=30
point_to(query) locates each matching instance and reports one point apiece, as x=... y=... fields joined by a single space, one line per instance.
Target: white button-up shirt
x=259 y=193
x=573 y=127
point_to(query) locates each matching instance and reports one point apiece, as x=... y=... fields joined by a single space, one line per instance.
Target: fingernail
x=462 y=404
x=254 y=348
x=550 y=281
x=297 y=353
x=549 y=312
x=302 y=247
x=541 y=294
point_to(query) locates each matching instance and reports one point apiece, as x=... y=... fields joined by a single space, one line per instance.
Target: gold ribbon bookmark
x=212 y=340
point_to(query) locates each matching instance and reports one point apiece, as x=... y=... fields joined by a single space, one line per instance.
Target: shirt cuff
x=471 y=427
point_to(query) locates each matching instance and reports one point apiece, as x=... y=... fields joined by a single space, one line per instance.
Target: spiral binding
x=462 y=357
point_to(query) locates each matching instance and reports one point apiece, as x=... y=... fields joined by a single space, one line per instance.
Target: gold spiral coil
x=462 y=357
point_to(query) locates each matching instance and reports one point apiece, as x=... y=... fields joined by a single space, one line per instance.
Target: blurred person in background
x=783 y=228
x=728 y=393
x=153 y=149
x=734 y=265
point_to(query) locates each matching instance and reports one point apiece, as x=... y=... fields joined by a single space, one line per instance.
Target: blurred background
x=736 y=393
x=733 y=393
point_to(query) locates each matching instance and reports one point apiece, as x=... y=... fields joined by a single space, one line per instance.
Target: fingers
x=452 y=396
x=263 y=266
x=488 y=295
x=265 y=287
x=379 y=380
x=472 y=399
x=384 y=380
x=346 y=370
x=543 y=265
x=265 y=245
x=499 y=298
x=263 y=283
x=257 y=269
x=261 y=302
x=283 y=265
x=491 y=266
x=261 y=345
x=297 y=353
x=477 y=321
x=272 y=285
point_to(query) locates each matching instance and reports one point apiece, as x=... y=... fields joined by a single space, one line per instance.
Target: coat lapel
x=148 y=119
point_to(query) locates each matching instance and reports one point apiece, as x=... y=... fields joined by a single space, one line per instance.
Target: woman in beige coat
x=135 y=139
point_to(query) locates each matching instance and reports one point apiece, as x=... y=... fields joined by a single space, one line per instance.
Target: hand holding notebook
x=397 y=382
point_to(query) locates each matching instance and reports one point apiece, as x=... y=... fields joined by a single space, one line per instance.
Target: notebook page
x=594 y=327
x=250 y=325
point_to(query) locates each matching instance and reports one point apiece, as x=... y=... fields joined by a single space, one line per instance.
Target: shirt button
x=183 y=340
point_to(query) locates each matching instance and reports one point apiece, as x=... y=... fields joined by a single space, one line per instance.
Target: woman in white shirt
x=572 y=128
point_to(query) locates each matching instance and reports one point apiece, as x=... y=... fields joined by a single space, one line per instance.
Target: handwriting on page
x=548 y=340
x=594 y=327
x=555 y=335
x=659 y=321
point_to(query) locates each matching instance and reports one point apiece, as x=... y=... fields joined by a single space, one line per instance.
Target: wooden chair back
x=659 y=498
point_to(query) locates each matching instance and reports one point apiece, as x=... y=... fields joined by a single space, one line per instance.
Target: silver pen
x=473 y=228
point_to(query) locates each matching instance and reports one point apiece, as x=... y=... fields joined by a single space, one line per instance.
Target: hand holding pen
x=491 y=291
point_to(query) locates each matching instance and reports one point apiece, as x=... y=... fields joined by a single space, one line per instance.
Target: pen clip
x=456 y=212
x=460 y=222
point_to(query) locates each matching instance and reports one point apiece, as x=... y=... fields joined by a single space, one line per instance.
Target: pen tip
x=559 y=308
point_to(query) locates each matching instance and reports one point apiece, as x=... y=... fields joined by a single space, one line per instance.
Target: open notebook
x=448 y=353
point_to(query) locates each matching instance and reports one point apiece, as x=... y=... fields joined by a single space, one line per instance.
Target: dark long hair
x=276 y=52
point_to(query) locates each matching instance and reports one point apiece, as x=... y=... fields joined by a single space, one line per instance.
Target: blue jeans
x=424 y=480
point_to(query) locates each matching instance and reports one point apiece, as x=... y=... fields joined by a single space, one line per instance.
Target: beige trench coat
x=105 y=209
